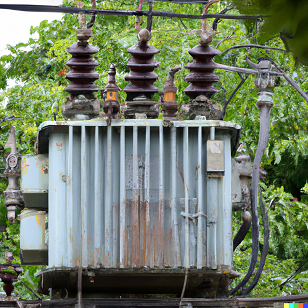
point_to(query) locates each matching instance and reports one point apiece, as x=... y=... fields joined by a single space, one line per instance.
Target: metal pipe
x=175 y=233
x=70 y=198
x=115 y=245
x=148 y=246
x=212 y=209
x=186 y=196
x=98 y=182
x=108 y=203
x=200 y=232
x=161 y=204
x=123 y=234
x=212 y=133
x=135 y=201
x=84 y=198
x=56 y=200
x=224 y=223
x=212 y=213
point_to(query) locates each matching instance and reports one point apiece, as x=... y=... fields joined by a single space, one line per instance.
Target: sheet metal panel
x=138 y=196
x=57 y=242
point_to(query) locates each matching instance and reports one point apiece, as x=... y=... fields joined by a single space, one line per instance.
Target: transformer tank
x=138 y=204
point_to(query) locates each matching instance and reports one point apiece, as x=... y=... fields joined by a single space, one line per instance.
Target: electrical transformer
x=137 y=205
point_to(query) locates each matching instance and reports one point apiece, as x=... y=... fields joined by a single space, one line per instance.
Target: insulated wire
x=265 y=247
x=265 y=110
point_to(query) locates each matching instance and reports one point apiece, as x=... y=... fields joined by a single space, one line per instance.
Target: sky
x=15 y=25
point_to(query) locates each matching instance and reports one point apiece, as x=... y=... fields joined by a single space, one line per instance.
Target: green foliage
x=288 y=220
x=287 y=17
x=40 y=75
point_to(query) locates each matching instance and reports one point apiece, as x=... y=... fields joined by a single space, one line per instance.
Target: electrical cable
x=75 y=10
x=242 y=232
x=265 y=247
x=264 y=110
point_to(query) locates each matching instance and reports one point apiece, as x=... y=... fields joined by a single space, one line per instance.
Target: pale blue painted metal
x=32 y=230
x=136 y=194
x=34 y=180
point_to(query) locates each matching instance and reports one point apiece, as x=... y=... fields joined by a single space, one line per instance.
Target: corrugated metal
x=136 y=194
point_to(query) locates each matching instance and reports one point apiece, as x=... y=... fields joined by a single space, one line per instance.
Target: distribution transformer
x=125 y=203
x=136 y=204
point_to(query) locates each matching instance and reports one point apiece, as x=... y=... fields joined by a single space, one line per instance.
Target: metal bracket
x=211 y=221
x=193 y=216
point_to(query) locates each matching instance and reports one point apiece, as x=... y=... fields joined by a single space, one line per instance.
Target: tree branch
x=224 y=39
x=223 y=113
x=292 y=83
x=253 y=46
x=27 y=287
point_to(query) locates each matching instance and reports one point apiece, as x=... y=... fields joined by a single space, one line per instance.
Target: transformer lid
x=63 y=127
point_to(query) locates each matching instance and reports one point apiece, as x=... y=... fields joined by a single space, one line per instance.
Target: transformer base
x=106 y=283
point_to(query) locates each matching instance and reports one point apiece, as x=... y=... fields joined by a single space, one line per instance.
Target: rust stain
x=59 y=146
x=144 y=234
x=148 y=232
x=134 y=244
x=138 y=233
x=24 y=169
x=185 y=185
x=214 y=175
x=38 y=222
x=160 y=233
x=97 y=250
x=126 y=246
x=71 y=237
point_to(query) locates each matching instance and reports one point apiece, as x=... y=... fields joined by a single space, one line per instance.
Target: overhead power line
x=74 y=10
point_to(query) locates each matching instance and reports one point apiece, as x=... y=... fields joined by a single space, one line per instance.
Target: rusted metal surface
x=82 y=77
x=111 y=105
x=12 y=195
x=141 y=76
x=133 y=195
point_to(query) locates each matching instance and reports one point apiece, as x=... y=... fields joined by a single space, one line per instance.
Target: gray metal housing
x=134 y=198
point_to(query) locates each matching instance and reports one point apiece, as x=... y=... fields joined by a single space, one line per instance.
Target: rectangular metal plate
x=215 y=156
